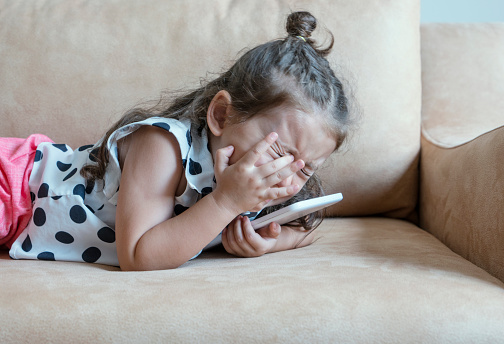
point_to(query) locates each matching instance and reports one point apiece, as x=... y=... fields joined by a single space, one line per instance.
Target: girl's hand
x=240 y=239
x=245 y=187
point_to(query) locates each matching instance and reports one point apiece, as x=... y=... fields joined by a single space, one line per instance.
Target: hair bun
x=301 y=24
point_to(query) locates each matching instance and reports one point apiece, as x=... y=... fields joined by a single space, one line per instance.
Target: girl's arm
x=240 y=239
x=148 y=237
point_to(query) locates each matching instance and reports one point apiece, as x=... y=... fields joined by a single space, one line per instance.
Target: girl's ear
x=218 y=112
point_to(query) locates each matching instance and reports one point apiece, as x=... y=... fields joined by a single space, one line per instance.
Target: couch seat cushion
x=363 y=280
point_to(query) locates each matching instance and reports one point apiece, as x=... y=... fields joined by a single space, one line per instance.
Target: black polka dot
x=162 y=125
x=101 y=207
x=43 y=190
x=91 y=255
x=38 y=156
x=90 y=186
x=106 y=234
x=61 y=147
x=214 y=180
x=83 y=148
x=179 y=209
x=93 y=154
x=90 y=209
x=194 y=167
x=206 y=191
x=32 y=195
x=56 y=197
x=64 y=237
x=184 y=162
x=46 y=256
x=189 y=137
x=80 y=190
x=26 y=245
x=70 y=175
x=62 y=166
x=39 y=217
x=78 y=214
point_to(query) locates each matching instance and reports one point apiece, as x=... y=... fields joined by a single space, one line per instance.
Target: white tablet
x=289 y=213
x=297 y=210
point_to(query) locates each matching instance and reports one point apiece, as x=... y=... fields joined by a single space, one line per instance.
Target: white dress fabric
x=73 y=221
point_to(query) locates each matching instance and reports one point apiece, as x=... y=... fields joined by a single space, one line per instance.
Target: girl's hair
x=292 y=70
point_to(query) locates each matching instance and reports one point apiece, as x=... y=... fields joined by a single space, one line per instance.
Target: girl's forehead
x=302 y=134
x=298 y=124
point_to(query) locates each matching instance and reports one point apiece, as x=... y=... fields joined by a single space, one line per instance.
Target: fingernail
x=300 y=163
x=273 y=136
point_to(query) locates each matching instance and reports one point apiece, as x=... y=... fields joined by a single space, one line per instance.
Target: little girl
x=165 y=181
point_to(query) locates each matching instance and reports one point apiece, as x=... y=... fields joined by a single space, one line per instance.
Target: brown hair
x=293 y=69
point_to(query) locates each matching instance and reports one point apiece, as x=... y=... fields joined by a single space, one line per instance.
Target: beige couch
x=415 y=253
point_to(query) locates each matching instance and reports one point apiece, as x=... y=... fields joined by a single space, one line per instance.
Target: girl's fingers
x=222 y=158
x=276 y=165
x=278 y=176
x=258 y=244
x=228 y=238
x=262 y=146
x=270 y=231
x=240 y=236
x=280 y=192
x=253 y=239
x=240 y=239
x=233 y=240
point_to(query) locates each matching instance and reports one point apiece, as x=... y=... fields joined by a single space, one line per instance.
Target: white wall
x=462 y=10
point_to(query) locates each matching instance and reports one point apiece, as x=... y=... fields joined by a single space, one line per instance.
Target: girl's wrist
x=225 y=204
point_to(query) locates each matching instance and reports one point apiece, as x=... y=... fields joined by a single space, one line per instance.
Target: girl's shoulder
x=181 y=130
x=192 y=145
x=151 y=163
x=152 y=140
x=120 y=140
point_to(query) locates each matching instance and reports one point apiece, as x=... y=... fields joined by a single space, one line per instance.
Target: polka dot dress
x=75 y=221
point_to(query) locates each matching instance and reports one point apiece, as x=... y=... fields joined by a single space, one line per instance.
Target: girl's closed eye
x=279 y=151
x=306 y=172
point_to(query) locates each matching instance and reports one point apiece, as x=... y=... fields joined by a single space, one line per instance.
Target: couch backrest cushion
x=70 y=69
x=463 y=81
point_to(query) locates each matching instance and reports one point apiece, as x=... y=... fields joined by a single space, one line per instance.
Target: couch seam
x=439 y=144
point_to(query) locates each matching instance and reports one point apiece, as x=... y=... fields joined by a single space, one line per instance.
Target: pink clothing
x=16 y=163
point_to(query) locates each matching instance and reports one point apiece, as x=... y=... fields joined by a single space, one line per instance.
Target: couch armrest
x=462 y=197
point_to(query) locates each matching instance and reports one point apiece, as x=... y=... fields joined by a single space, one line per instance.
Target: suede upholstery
x=466 y=60
x=462 y=170
x=69 y=69
x=66 y=62
x=366 y=280
x=462 y=175
x=462 y=198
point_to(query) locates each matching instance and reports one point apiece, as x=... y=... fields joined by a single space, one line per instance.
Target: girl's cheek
x=237 y=155
x=300 y=180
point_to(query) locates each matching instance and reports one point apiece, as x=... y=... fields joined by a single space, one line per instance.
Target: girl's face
x=302 y=135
